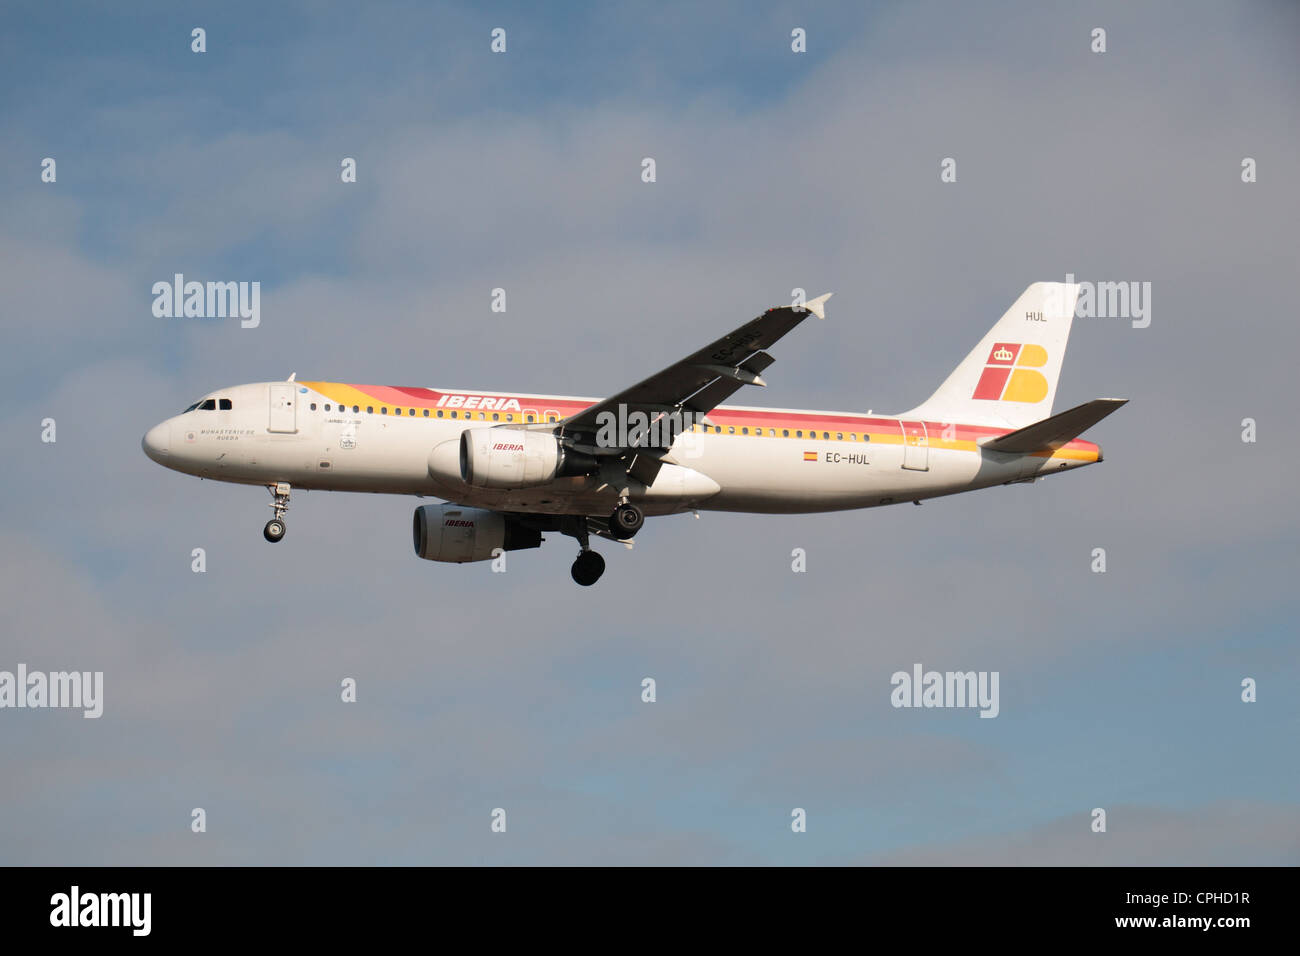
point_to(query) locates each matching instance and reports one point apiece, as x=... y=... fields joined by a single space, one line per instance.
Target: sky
x=775 y=170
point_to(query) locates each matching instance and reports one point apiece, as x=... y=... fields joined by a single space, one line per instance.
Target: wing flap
x=702 y=380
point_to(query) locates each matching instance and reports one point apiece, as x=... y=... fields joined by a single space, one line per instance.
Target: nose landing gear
x=275 y=529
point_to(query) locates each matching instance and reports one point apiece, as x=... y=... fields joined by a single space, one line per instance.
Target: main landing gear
x=274 y=529
x=588 y=566
x=626 y=520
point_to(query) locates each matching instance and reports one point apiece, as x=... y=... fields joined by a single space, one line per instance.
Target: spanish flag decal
x=810 y=456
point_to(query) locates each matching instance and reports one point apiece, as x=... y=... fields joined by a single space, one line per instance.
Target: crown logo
x=1003 y=354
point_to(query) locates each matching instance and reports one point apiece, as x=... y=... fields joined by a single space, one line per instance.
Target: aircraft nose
x=157 y=441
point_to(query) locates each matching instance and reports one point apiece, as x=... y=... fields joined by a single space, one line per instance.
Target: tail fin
x=1010 y=377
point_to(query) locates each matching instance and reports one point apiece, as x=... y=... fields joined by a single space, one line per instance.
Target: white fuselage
x=748 y=459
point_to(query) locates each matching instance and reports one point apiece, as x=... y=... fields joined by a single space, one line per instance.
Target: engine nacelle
x=515 y=458
x=453 y=533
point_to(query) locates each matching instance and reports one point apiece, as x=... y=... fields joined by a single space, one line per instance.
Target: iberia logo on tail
x=1010 y=376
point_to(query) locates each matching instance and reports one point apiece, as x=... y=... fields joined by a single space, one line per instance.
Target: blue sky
x=775 y=171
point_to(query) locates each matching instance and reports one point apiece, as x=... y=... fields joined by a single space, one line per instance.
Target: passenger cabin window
x=412 y=411
x=426 y=413
x=313 y=406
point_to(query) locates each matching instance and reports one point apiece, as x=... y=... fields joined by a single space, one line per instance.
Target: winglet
x=817 y=306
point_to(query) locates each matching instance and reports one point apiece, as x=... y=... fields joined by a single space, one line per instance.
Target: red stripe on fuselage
x=723 y=415
x=425 y=396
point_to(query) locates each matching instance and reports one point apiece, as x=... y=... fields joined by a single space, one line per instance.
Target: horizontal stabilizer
x=1055 y=431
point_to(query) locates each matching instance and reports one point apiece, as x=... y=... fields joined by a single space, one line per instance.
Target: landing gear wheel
x=587 y=568
x=626 y=521
x=274 y=529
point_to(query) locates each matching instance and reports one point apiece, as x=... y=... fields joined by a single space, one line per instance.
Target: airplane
x=510 y=466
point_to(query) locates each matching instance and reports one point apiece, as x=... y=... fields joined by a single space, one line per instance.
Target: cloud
x=1237 y=833
x=518 y=690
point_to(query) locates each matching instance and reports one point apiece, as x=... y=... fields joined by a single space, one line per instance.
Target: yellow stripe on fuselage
x=345 y=394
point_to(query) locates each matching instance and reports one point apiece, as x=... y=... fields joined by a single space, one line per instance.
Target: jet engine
x=515 y=458
x=453 y=533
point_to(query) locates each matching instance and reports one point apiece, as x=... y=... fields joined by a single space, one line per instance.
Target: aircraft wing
x=701 y=381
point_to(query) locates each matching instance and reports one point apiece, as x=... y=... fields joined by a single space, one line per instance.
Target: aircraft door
x=284 y=408
x=916 y=446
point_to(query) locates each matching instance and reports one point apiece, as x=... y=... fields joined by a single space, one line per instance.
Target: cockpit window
x=224 y=404
x=209 y=406
x=192 y=407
